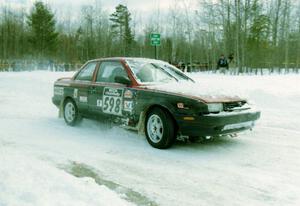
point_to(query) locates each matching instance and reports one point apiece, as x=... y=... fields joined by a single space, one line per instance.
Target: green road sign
x=155 y=39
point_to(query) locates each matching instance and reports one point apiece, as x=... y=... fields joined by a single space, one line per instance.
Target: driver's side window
x=109 y=70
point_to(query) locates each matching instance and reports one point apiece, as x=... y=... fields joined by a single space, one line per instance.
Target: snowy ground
x=45 y=162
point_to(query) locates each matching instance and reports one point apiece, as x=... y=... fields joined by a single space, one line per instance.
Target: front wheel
x=71 y=114
x=160 y=129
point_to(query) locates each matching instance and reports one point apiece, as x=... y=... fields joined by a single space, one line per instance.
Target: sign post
x=155 y=41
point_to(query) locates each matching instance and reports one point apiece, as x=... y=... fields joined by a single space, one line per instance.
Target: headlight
x=215 y=107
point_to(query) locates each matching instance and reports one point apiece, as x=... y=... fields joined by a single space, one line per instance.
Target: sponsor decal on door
x=112 y=101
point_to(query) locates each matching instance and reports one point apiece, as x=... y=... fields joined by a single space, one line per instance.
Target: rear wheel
x=71 y=114
x=160 y=129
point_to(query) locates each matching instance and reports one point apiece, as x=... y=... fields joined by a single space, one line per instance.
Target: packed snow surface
x=45 y=162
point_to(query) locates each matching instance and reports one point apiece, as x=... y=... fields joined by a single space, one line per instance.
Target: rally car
x=146 y=95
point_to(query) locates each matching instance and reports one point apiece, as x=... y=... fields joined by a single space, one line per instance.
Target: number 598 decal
x=112 y=101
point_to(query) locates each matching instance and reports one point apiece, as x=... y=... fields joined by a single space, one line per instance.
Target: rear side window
x=109 y=70
x=86 y=74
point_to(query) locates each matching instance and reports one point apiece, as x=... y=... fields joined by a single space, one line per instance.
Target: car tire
x=70 y=113
x=160 y=129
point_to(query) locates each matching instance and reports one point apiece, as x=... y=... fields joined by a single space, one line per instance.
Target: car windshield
x=147 y=71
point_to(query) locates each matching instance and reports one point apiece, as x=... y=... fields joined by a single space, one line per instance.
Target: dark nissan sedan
x=127 y=91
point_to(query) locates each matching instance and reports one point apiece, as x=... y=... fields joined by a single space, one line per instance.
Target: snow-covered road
x=45 y=162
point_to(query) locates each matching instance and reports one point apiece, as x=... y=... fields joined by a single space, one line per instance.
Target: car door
x=81 y=84
x=106 y=95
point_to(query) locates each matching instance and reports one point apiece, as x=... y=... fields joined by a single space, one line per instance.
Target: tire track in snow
x=82 y=170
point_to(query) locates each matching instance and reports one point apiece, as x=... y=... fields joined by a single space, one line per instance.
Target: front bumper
x=218 y=124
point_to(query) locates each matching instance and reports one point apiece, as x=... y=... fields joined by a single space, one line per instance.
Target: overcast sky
x=140 y=5
x=142 y=11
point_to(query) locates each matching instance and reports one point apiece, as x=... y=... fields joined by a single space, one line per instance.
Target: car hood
x=196 y=91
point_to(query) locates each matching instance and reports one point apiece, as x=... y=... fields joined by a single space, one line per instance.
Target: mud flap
x=141 y=124
x=60 y=109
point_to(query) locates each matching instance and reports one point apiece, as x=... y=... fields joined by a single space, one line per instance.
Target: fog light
x=189 y=118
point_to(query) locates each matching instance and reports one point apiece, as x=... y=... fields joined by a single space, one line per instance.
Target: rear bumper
x=218 y=124
x=56 y=101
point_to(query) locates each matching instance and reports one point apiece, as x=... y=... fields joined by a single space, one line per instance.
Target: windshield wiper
x=165 y=71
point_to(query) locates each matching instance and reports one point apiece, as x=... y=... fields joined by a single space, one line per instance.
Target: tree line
x=257 y=33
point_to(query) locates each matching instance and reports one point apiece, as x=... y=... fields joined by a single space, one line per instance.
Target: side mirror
x=122 y=80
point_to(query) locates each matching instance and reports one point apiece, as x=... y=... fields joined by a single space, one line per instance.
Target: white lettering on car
x=112 y=101
x=83 y=99
x=99 y=102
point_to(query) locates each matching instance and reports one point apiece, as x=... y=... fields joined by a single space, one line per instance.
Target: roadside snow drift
x=118 y=167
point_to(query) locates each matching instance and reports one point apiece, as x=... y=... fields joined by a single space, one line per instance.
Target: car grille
x=230 y=106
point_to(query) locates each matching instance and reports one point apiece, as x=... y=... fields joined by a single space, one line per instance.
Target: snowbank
x=257 y=168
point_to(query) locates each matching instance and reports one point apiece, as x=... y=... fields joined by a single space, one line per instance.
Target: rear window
x=86 y=74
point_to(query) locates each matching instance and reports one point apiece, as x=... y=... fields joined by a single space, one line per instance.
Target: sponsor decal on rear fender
x=83 y=99
x=75 y=93
x=128 y=106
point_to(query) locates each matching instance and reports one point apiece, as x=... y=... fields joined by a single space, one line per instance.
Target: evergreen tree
x=121 y=27
x=43 y=36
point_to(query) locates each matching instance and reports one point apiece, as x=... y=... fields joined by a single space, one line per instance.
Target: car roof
x=128 y=58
